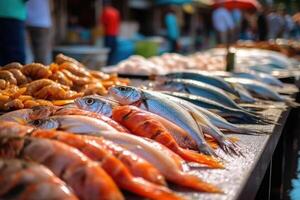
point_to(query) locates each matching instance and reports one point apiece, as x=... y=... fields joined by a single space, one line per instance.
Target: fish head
x=97 y=104
x=46 y=123
x=125 y=94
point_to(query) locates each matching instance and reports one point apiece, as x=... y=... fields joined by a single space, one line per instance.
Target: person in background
x=172 y=29
x=262 y=25
x=223 y=24
x=275 y=24
x=12 y=31
x=110 y=19
x=289 y=25
x=237 y=19
x=38 y=24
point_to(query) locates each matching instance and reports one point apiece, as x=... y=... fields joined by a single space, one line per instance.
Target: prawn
x=36 y=71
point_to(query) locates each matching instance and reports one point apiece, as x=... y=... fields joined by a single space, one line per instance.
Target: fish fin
x=195 y=183
x=147 y=189
x=193 y=156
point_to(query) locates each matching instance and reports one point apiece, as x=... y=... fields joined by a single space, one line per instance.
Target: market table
x=243 y=176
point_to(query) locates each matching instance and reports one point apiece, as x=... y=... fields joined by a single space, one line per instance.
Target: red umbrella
x=240 y=4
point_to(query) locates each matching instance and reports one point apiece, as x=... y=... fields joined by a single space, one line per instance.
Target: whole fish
x=199 y=89
x=206 y=125
x=239 y=115
x=168 y=163
x=41 y=112
x=64 y=161
x=262 y=77
x=257 y=88
x=20 y=179
x=155 y=103
x=182 y=138
x=141 y=123
x=203 y=77
x=245 y=96
x=108 y=162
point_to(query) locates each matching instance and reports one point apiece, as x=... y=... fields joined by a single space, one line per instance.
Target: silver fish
x=204 y=77
x=97 y=104
x=257 y=88
x=155 y=103
x=201 y=118
x=200 y=89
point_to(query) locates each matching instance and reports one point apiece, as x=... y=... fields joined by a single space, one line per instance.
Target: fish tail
x=147 y=189
x=193 y=156
x=196 y=183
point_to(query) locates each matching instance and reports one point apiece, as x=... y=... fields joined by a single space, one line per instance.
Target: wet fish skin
x=155 y=103
x=200 y=89
x=205 y=78
x=97 y=104
x=241 y=115
x=257 y=88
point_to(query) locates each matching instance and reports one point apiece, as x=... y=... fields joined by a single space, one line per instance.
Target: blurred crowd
x=260 y=25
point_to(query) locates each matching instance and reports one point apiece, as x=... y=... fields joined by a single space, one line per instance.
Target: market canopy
x=240 y=4
x=177 y=2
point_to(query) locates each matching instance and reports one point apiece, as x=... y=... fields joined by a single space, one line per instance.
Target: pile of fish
x=246 y=59
x=133 y=139
x=36 y=84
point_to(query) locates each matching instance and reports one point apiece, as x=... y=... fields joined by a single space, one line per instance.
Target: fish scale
x=178 y=116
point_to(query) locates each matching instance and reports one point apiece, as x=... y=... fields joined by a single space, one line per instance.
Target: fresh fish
x=65 y=162
x=168 y=163
x=257 y=88
x=204 y=77
x=207 y=126
x=182 y=138
x=224 y=111
x=155 y=103
x=199 y=89
x=47 y=111
x=107 y=161
x=26 y=180
x=143 y=124
x=70 y=123
x=21 y=116
x=97 y=104
x=262 y=77
x=245 y=96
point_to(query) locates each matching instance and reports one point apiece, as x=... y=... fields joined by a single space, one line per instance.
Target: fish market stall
x=177 y=132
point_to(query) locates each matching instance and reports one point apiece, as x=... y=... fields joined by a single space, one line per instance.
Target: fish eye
x=122 y=89
x=89 y=101
x=37 y=122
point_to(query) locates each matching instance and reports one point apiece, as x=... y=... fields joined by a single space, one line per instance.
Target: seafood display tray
x=243 y=175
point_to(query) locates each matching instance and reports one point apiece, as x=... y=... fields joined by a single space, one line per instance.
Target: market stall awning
x=177 y=2
x=240 y=4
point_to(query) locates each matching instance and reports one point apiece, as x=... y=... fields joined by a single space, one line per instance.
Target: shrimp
x=75 y=69
x=75 y=79
x=61 y=58
x=19 y=76
x=8 y=76
x=36 y=71
x=87 y=179
x=140 y=123
x=3 y=84
x=94 y=88
x=61 y=78
x=27 y=180
x=13 y=65
x=37 y=85
x=55 y=92
x=14 y=105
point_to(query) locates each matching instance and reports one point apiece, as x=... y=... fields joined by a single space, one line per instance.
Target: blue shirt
x=38 y=13
x=172 y=26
